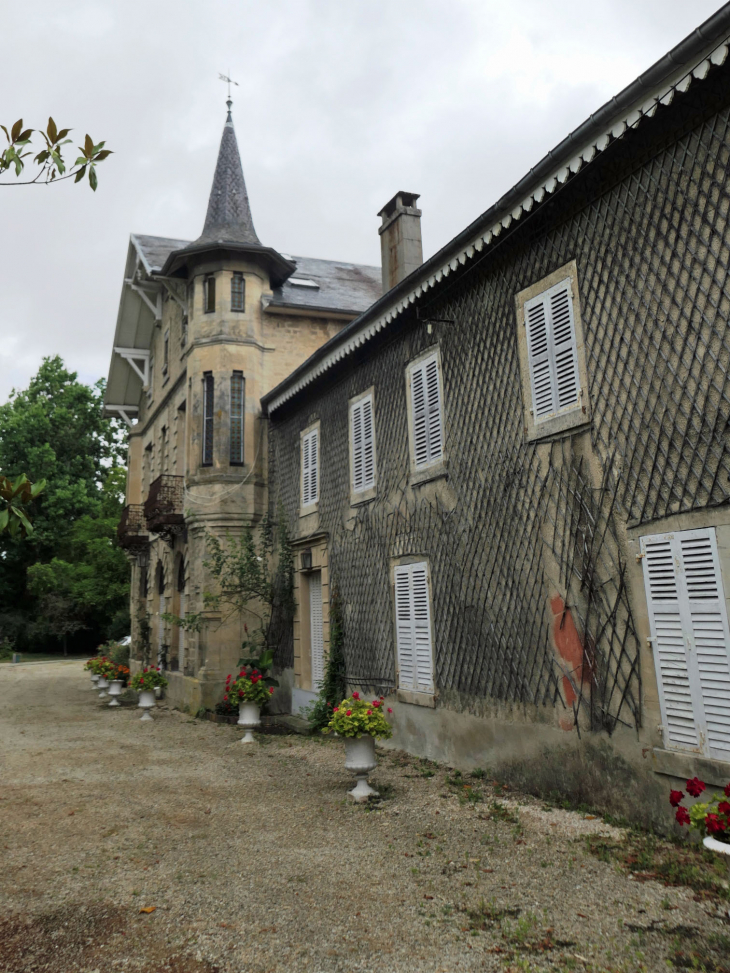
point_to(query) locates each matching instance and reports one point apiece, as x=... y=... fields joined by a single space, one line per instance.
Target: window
x=209 y=294
x=310 y=468
x=426 y=421
x=237 y=410
x=362 y=444
x=413 y=628
x=166 y=352
x=184 y=331
x=238 y=293
x=552 y=355
x=208 y=404
x=690 y=639
x=151 y=379
x=316 y=630
x=552 y=352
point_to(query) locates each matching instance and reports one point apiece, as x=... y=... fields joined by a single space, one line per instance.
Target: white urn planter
x=103 y=685
x=94 y=681
x=722 y=847
x=146 y=702
x=248 y=717
x=360 y=759
x=115 y=689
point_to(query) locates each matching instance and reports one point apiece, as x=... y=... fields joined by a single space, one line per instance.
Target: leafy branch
x=50 y=160
x=15 y=495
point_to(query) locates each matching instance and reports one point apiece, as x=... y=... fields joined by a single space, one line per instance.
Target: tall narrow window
x=316 y=634
x=209 y=294
x=362 y=442
x=238 y=293
x=552 y=352
x=310 y=468
x=208 y=405
x=413 y=628
x=181 y=612
x=426 y=412
x=238 y=387
x=690 y=639
x=166 y=352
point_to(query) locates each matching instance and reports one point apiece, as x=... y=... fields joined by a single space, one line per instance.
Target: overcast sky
x=341 y=103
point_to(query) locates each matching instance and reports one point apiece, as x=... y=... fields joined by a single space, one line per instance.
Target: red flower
x=727 y=790
x=271 y=689
x=158 y=668
x=382 y=697
x=348 y=713
x=356 y=695
x=390 y=710
x=376 y=703
x=245 y=628
x=682 y=815
x=369 y=713
x=723 y=807
x=695 y=787
x=145 y=669
x=225 y=698
x=240 y=692
x=715 y=824
x=675 y=798
x=336 y=709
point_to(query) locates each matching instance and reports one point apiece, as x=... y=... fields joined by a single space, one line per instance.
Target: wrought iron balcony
x=132 y=530
x=163 y=508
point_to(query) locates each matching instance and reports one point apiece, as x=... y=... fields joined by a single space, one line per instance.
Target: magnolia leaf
x=62 y=134
x=23 y=520
x=16 y=129
x=88 y=149
x=52 y=130
x=42 y=156
x=4 y=517
x=103 y=154
x=25 y=136
x=7 y=133
x=92 y=178
x=80 y=173
x=37 y=488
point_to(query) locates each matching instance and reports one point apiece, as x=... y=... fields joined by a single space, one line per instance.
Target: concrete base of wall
x=300 y=699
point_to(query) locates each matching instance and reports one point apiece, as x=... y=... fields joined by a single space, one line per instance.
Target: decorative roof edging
x=663 y=94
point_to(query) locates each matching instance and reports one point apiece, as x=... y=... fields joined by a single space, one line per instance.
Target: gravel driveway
x=254 y=860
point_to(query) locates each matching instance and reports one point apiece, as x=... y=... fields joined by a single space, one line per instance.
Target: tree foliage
x=15 y=496
x=68 y=576
x=52 y=167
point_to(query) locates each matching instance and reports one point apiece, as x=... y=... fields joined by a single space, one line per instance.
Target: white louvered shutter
x=691 y=639
x=413 y=628
x=315 y=629
x=552 y=352
x=310 y=468
x=363 y=445
x=426 y=406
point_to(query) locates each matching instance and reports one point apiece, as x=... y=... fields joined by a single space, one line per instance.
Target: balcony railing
x=163 y=508
x=132 y=530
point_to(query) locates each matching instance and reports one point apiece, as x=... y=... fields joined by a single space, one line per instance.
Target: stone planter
x=94 y=681
x=103 y=685
x=722 y=848
x=115 y=689
x=147 y=703
x=360 y=759
x=248 y=717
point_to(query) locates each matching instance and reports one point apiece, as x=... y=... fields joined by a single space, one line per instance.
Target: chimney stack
x=400 y=238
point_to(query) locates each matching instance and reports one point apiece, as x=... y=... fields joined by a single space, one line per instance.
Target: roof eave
x=280 y=269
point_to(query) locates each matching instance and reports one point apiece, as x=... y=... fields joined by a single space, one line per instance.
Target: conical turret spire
x=228 y=219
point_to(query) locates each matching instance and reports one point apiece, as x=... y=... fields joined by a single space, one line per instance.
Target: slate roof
x=341 y=286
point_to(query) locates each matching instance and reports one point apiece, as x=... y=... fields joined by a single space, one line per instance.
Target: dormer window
x=238 y=293
x=209 y=295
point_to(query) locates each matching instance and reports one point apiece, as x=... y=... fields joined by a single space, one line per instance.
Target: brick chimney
x=400 y=238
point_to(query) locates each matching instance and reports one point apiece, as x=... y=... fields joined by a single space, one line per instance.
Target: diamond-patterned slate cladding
x=652 y=253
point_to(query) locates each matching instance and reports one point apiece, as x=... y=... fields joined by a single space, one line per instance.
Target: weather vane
x=229 y=82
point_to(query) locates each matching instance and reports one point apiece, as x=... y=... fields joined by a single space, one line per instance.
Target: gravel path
x=254 y=860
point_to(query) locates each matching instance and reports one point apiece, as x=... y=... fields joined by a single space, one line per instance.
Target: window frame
x=365 y=493
x=306 y=435
x=235 y=277
x=208 y=291
x=436 y=466
x=570 y=417
x=208 y=434
x=415 y=692
x=236 y=374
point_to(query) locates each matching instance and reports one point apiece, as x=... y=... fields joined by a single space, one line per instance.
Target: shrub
x=354 y=717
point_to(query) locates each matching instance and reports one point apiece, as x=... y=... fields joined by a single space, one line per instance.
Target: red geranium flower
x=390 y=710
x=675 y=798
x=727 y=790
x=225 y=698
x=715 y=824
x=695 y=787
x=348 y=713
x=382 y=697
x=682 y=815
x=336 y=709
x=723 y=807
x=356 y=695
x=376 y=703
x=369 y=713
x=240 y=692
x=271 y=689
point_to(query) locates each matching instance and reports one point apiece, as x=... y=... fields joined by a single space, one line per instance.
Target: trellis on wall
x=517 y=520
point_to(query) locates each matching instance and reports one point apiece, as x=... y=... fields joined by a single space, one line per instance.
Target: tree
x=56 y=428
x=51 y=164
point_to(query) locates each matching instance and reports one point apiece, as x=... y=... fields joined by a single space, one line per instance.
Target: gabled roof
x=686 y=64
x=339 y=286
